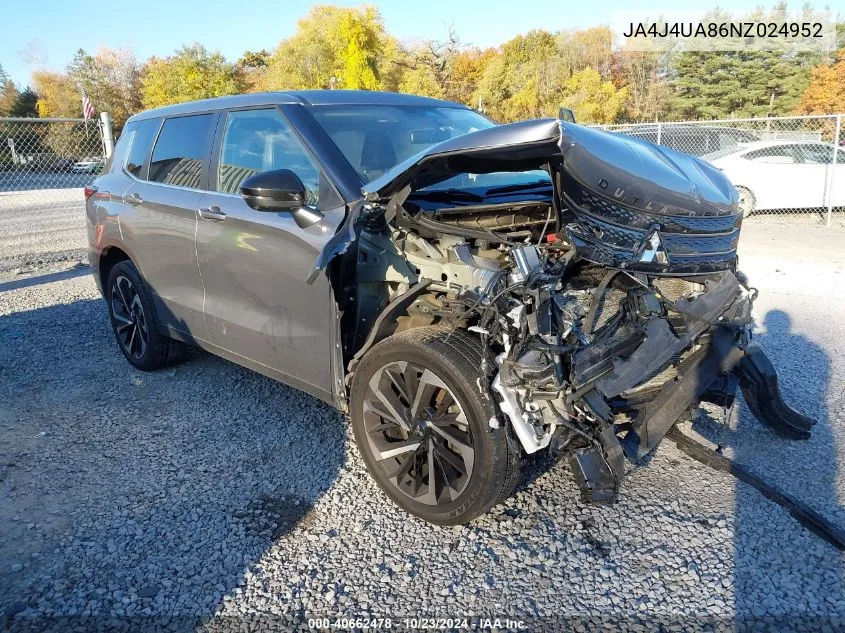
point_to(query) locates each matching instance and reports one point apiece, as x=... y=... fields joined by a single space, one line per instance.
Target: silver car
x=469 y=293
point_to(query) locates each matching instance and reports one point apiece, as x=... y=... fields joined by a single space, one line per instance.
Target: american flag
x=87 y=108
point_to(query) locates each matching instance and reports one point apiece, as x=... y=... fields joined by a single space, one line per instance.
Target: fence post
x=833 y=167
x=108 y=136
x=659 y=133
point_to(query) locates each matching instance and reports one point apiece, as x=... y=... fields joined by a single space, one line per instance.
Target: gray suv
x=469 y=293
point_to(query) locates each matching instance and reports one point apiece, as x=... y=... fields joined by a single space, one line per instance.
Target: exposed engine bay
x=607 y=294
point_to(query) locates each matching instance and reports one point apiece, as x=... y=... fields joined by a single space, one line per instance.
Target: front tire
x=134 y=320
x=423 y=426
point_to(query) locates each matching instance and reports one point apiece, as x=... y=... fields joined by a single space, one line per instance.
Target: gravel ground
x=208 y=496
x=42 y=227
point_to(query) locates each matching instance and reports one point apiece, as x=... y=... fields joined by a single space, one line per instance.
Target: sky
x=57 y=28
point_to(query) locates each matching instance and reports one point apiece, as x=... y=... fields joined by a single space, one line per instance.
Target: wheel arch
x=109 y=258
x=385 y=323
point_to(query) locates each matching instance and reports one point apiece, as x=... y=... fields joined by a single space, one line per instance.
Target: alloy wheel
x=418 y=433
x=128 y=318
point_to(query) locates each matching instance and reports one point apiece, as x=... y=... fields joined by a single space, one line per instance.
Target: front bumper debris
x=711 y=356
x=607 y=297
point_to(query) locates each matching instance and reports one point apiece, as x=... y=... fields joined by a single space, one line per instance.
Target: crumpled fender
x=340 y=241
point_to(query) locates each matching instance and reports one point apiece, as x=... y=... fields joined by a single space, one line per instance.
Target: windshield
x=374 y=138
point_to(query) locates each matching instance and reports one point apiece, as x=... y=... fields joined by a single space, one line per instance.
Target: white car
x=784 y=174
x=87 y=166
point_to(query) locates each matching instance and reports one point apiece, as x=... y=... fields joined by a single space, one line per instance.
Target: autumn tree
x=825 y=93
x=525 y=80
x=418 y=78
x=58 y=96
x=466 y=71
x=429 y=68
x=592 y=99
x=252 y=70
x=192 y=73
x=586 y=48
x=112 y=79
x=643 y=73
x=331 y=42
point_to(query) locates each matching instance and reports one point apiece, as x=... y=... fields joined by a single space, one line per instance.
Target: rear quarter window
x=141 y=141
x=117 y=159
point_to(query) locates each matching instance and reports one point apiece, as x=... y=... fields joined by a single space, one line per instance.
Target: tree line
x=531 y=75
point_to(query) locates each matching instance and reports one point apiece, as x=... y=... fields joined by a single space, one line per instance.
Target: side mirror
x=566 y=114
x=279 y=190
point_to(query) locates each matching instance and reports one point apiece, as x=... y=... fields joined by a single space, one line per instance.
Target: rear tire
x=134 y=320
x=747 y=201
x=416 y=407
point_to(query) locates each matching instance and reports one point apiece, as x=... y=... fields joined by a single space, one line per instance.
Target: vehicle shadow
x=134 y=495
x=766 y=571
x=28 y=281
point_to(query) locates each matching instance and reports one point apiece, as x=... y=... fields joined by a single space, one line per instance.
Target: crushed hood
x=631 y=204
x=630 y=169
x=514 y=147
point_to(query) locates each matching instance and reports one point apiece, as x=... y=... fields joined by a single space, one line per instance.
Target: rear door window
x=121 y=148
x=143 y=135
x=181 y=151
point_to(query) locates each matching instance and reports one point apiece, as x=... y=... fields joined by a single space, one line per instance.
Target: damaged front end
x=606 y=293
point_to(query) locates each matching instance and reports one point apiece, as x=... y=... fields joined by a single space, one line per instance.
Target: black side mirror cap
x=276 y=190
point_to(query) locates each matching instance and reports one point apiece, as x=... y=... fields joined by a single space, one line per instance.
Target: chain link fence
x=44 y=166
x=785 y=169
x=781 y=166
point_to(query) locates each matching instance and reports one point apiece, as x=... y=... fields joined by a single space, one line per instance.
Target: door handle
x=135 y=199
x=212 y=213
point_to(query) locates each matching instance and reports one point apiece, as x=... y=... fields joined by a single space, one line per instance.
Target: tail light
x=90 y=190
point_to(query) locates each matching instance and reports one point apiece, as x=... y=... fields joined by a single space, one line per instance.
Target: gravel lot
x=208 y=496
x=43 y=227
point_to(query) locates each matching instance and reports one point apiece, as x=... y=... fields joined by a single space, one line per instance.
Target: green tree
x=192 y=73
x=741 y=83
x=525 y=80
x=331 y=42
x=25 y=104
x=721 y=84
x=8 y=93
x=359 y=69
